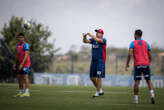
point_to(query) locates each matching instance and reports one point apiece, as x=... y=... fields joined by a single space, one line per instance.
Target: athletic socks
x=27 y=91
x=96 y=94
x=20 y=91
x=152 y=93
x=152 y=97
x=101 y=91
x=136 y=99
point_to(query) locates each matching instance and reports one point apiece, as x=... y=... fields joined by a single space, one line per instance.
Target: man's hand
x=21 y=66
x=126 y=67
x=89 y=34
x=85 y=40
x=14 y=66
x=85 y=35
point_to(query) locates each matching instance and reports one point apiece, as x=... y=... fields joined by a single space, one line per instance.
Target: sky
x=68 y=19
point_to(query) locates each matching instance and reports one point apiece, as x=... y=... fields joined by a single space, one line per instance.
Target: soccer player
x=97 y=67
x=141 y=52
x=23 y=62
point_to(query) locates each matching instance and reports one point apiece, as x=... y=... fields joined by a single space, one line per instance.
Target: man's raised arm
x=95 y=38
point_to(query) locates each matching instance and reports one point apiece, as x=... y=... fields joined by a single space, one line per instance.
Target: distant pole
x=162 y=68
x=116 y=67
x=72 y=70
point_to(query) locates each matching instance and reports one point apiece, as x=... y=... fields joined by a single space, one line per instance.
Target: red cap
x=99 y=31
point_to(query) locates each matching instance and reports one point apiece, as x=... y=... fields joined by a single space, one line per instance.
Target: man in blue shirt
x=141 y=52
x=97 y=67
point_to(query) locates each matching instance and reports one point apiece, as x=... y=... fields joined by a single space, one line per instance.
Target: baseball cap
x=99 y=31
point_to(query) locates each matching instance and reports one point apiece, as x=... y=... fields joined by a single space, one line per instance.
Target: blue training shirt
x=98 y=50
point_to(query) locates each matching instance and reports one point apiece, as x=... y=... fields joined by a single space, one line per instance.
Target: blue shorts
x=97 y=69
x=142 y=70
x=24 y=70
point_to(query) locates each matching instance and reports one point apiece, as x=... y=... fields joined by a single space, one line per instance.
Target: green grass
x=50 y=97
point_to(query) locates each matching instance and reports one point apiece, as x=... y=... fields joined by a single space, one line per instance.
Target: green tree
x=41 y=50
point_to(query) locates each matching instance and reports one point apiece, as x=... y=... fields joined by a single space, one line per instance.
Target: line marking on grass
x=119 y=104
x=109 y=92
x=137 y=105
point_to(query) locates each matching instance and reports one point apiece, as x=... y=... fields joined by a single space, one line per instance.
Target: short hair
x=138 y=32
x=21 y=34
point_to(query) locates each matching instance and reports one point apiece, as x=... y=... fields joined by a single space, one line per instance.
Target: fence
x=114 y=64
x=83 y=79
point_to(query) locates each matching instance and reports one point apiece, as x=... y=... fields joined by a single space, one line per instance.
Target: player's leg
x=100 y=74
x=150 y=86
x=26 y=78
x=27 y=82
x=99 y=84
x=99 y=90
x=20 y=84
x=20 y=81
x=94 y=80
x=147 y=75
x=136 y=90
x=101 y=69
x=93 y=73
x=137 y=78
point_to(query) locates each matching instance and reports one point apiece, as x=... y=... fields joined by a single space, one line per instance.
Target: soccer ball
x=27 y=24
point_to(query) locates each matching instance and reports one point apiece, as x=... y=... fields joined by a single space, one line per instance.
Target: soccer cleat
x=152 y=100
x=25 y=95
x=94 y=96
x=101 y=93
x=18 y=95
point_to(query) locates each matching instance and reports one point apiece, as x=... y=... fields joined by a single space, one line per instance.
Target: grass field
x=50 y=97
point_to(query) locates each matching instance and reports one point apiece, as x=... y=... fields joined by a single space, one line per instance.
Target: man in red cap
x=97 y=67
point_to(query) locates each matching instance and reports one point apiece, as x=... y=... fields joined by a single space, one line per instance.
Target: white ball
x=27 y=24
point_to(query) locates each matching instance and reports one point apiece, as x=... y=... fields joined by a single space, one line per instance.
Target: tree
x=41 y=50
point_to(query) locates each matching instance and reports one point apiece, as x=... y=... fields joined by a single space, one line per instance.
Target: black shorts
x=24 y=70
x=97 y=69
x=142 y=70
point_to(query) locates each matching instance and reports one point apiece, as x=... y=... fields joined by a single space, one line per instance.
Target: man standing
x=97 y=67
x=141 y=51
x=23 y=62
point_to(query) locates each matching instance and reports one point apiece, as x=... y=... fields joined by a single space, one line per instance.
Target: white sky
x=68 y=19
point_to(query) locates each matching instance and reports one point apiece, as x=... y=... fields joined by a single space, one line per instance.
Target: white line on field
x=119 y=104
x=139 y=105
x=109 y=92
x=75 y=91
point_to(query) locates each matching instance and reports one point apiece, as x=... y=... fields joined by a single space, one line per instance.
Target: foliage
x=41 y=50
